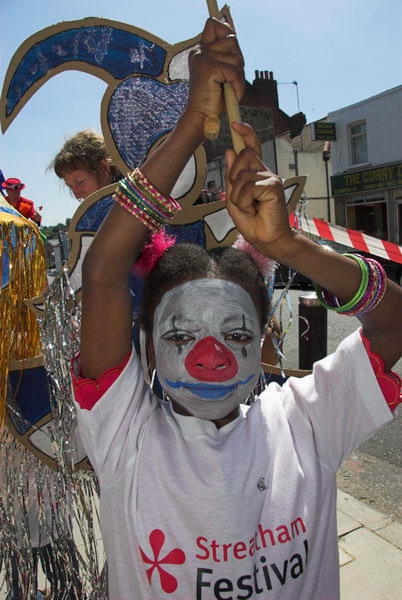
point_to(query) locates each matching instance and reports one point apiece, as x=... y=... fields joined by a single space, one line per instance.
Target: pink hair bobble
x=157 y=244
x=266 y=265
x=160 y=241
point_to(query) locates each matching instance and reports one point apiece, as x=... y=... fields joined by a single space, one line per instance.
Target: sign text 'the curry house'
x=369 y=179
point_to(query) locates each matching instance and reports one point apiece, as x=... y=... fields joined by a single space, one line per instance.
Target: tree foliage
x=52 y=231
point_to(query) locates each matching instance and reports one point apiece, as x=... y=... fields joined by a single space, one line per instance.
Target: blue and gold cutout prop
x=145 y=76
x=146 y=93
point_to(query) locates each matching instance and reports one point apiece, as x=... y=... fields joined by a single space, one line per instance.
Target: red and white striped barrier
x=350 y=237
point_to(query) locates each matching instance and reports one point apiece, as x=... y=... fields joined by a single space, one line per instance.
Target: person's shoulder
x=26 y=200
x=26 y=207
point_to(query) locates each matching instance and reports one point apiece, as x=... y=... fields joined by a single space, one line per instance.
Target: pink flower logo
x=174 y=557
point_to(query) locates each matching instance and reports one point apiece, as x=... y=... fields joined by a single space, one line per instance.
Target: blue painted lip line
x=208 y=391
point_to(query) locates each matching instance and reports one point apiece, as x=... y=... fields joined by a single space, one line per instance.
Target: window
x=399 y=219
x=358 y=142
x=369 y=217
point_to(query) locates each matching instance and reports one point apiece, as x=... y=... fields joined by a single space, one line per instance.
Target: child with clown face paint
x=204 y=497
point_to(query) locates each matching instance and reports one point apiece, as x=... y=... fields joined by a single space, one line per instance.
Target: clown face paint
x=207 y=339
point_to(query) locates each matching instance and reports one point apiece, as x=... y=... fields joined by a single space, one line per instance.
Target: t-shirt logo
x=174 y=557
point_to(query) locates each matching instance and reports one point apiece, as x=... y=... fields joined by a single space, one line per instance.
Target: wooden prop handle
x=212 y=122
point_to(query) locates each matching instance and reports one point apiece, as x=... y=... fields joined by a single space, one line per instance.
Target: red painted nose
x=210 y=360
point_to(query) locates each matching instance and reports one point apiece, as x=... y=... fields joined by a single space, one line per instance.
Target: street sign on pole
x=322 y=130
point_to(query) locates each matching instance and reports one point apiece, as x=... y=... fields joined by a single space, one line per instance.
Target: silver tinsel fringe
x=61 y=506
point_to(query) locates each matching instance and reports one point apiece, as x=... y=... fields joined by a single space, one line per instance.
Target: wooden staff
x=212 y=122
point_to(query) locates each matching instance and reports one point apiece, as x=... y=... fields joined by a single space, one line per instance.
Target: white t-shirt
x=247 y=511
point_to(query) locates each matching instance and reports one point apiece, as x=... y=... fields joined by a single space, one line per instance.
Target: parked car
x=283 y=273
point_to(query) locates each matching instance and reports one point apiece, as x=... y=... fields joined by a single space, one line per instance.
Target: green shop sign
x=364 y=181
x=325 y=131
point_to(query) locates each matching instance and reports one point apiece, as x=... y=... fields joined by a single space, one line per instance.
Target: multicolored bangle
x=140 y=198
x=372 y=288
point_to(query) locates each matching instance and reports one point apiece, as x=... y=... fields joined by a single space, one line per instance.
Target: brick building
x=259 y=107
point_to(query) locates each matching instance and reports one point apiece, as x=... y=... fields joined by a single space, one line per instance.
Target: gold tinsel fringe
x=19 y=339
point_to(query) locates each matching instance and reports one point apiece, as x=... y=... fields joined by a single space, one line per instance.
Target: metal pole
x=276 y=157
x=297 y=90
x=312 y=330
x=328 y=194
x=64 y=245
x=297 y=94
x=325 y=157
x=296 y=159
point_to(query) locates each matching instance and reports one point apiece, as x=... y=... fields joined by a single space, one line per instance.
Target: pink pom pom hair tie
x=160 y=241
x=266 y=265
x=157 y=244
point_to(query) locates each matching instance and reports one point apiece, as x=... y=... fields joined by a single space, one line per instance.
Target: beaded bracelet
x=140 y=198
x=372 y=288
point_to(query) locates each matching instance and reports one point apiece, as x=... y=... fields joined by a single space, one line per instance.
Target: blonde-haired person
x=84 y=164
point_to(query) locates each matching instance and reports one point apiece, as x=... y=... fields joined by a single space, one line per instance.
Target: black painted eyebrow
x=237 y=317
x=233 y=317
x=176 y=329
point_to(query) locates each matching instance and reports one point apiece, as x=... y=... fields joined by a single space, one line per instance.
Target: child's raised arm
x=106 y=304
x=256 y=204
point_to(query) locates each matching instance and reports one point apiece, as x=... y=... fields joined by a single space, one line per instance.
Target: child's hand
x=255 y=197
x=218 y=60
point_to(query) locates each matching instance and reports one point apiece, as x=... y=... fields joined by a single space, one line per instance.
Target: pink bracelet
x=140 y=198
x=372 y=289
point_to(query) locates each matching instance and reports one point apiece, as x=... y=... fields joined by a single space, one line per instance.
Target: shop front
x=370 y=201
x=398 y=210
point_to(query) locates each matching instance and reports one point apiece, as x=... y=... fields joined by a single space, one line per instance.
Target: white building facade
x=303 y=155
x=367 y=165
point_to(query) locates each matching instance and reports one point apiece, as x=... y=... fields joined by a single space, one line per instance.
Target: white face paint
x=207 y=339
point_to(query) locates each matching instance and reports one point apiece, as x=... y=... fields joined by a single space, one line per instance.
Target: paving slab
x=393 y=534
x=346 y=523
x=376 y=572
x=344 y=557
x=370 y=518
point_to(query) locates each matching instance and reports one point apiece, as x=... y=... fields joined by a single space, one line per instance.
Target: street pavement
x=370 y=552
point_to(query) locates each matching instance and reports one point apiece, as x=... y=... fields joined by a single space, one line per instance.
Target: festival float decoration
x=36 y=503
x=146 y=92
x=141 y=71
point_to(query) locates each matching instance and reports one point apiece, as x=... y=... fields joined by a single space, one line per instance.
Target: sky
x=339 y=51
